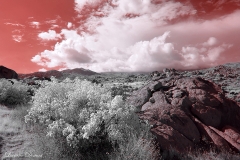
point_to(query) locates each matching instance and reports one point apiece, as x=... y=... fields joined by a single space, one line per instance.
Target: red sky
x=118 y=35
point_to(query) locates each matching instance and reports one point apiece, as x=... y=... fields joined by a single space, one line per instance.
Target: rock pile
x=188 y=113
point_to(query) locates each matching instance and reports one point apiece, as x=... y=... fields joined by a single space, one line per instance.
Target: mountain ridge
x=58 y=74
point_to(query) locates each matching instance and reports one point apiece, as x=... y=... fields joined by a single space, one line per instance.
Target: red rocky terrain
x=191 y=110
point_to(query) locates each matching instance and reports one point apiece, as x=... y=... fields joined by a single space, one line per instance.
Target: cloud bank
x=147 y=35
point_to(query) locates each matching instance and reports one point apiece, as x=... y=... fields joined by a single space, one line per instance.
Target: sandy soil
x=16 y=138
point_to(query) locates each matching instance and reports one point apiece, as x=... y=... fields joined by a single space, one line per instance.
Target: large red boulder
x=189 y=113
x=7 y=73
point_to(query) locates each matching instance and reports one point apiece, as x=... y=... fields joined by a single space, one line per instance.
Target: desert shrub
x=85 y=115
x=117 y=90
x=14 y=92
x=121 y=90
x=137 y=147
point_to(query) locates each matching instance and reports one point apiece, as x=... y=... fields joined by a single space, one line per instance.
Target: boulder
x=140 y=97
x=7 y=73
x=155 y=73
x=183 y=110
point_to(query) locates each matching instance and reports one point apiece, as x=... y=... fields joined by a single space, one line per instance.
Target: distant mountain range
x=9 y=73
x=58 y=74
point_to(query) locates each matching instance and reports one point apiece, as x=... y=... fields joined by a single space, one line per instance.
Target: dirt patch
x=16 y=139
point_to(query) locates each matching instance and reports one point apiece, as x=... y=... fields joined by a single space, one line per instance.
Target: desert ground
x=20 y=140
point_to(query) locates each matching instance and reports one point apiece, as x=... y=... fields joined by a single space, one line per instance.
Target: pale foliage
x=79 y=109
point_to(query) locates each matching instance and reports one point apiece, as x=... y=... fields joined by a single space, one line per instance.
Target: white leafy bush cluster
x=82 y=111
x=14 y=94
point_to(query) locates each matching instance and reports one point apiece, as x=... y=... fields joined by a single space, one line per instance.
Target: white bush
x=83 y=112
x=78 y=109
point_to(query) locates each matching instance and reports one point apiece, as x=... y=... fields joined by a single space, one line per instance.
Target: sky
x=118 y=35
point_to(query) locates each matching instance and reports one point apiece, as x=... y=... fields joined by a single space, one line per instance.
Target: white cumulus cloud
x=133 y=35
x=50 y=35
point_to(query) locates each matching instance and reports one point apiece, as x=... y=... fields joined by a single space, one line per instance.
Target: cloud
x=42 y=70
x=203 y=55
x=69 y=52
x=77 y=57
x=69 y=25
x=53 y=26
x=81 y=3
x=35 y=24
x=14 y=24
x=17 y=35
x=154 y=54
x=131 y=35
x=131 y=58
x=53 y=21
x=17 y=38
x=151 y=55
x=50 y=35
x=211 y=42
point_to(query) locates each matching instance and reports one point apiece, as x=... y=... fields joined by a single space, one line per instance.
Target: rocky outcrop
x=7 y=73
x=188 y=113
x=227 y=75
